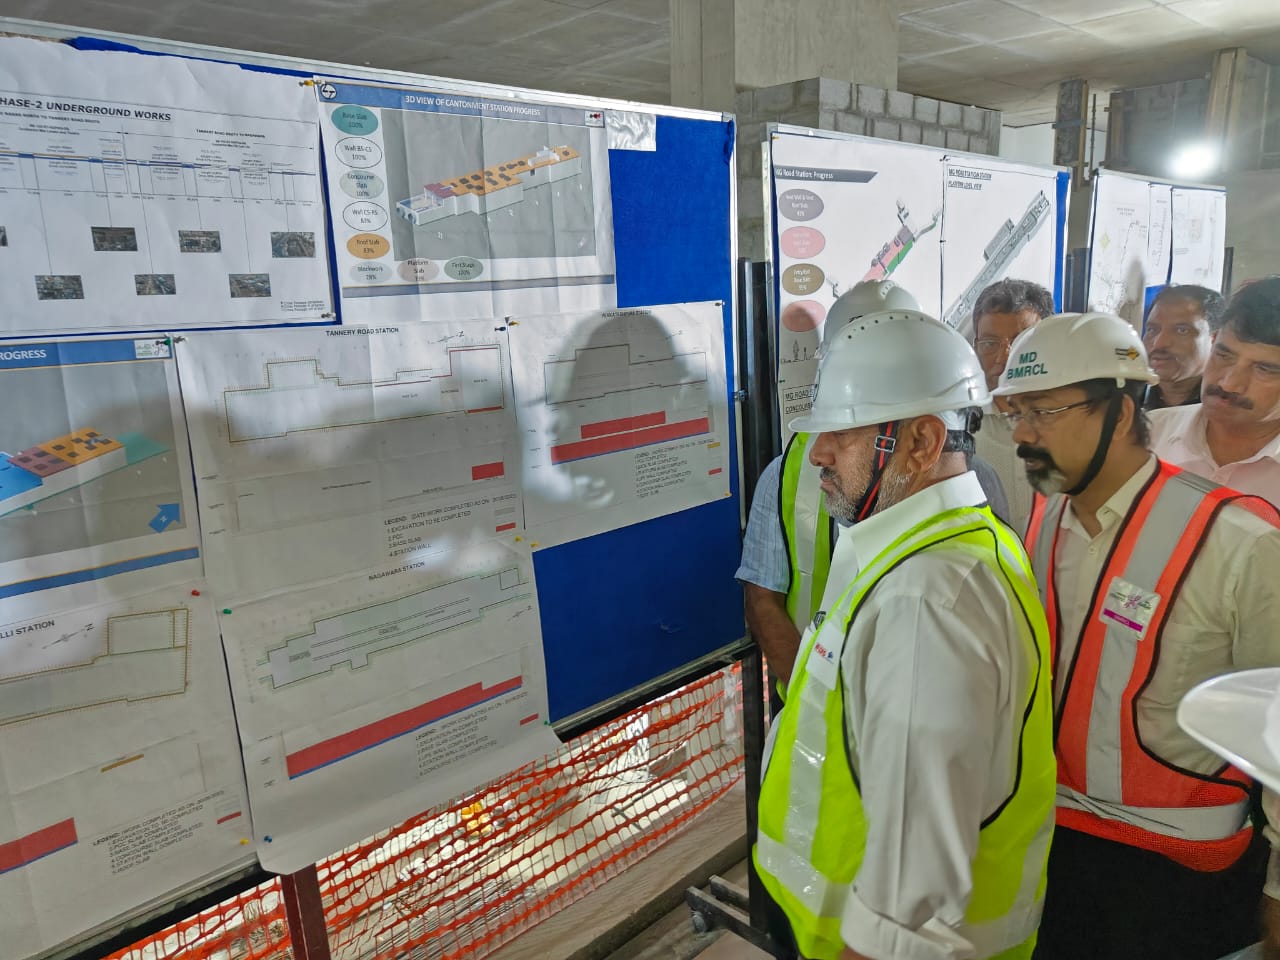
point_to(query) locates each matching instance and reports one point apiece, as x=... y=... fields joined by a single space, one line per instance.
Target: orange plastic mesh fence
x=457 y=882
x=249 y=926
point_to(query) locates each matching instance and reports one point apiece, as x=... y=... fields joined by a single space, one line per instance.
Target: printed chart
x=325 y=450
x=121 y=778
x=175 y=198
x=1199 y=237
x=96 y=496
x=1123 y=261
x=370 y=699
x=452 y=206
x=623 y=416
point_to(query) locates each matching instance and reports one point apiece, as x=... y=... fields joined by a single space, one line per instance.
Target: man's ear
x=924 y=439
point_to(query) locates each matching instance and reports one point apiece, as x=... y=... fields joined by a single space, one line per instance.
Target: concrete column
x=719 y=47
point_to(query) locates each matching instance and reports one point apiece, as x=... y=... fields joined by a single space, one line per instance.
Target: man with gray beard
x=906 y=807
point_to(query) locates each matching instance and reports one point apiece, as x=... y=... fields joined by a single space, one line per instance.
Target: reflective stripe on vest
x=812 y=827
x=1111 y=786
x=806 y=528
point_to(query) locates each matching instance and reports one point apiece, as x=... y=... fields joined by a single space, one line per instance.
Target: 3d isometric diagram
x=896 y=250
x=490 y=188
x=61 y=464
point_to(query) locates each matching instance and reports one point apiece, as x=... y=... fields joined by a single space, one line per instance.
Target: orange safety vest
x=1197 y=820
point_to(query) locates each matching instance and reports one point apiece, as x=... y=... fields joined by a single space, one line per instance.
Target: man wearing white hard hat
x=786 y=551
x=1153 y=580
x=906 y=807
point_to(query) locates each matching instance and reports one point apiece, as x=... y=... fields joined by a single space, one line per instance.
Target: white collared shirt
x=1178 y=436
x=933 y=675
x=1225 y=618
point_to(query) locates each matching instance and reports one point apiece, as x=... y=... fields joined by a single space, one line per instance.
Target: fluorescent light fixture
x=1194 y=160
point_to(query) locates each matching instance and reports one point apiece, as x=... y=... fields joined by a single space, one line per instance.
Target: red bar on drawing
x=484 y=409
x=28 y=849
x=406 y=721
x=712 y=473
x=564 y=452
x=603 y=428
x=529 y=719
x=503 y=528
x=229 y=816
x=485 y=471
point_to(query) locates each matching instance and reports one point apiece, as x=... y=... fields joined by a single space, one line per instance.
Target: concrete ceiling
x=1002 y=54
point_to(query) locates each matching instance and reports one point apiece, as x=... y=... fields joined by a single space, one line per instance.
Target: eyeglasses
x=990 y=346
x=1038 y=417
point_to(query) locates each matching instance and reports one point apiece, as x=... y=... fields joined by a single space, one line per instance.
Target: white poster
x=623 y=416
x=120 y=777
x=845 y=211
x=1120 y=262
x=96 y=498
x=454 y=206
x=367 y=700
x=323 y=450
x=999 y=221
x=143 y=191
x=1199 y=236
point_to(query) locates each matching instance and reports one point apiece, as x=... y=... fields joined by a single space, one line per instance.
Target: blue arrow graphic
x=169 y=513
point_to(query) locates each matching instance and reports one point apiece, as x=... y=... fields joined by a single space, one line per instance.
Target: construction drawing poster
x=186 y=193
x=445 y=205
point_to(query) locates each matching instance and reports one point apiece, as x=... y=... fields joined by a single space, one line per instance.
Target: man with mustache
x=1153 y=580
x=907 y=801
x=786 y=551
x=1177 y=335
x=1233 y=436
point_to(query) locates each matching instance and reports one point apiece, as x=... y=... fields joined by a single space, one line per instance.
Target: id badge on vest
x=823 y=665
x=1128 y=607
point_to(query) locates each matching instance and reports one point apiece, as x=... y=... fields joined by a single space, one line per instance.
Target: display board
x=1144 y=234
x=943 y=225
x=450 y=302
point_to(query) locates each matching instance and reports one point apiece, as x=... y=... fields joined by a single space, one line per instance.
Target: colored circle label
x=362 y=186
x=802 y=279
x=798 y=204
x=358 y=152
x=370 y=272
x=353 y=119
x=801 y=243
x=365 y=216
x=803 y=315
x=418 y=270
x=464 y=268
x=367 y=246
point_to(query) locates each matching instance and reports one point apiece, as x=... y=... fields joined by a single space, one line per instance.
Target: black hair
x=1212 y=304
x=1102 y=389
x=1013 y=296
x=1254 y=312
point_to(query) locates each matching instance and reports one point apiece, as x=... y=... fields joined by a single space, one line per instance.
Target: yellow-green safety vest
x=812 y=826
x=806 y=528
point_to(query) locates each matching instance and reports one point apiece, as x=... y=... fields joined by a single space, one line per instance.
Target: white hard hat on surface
x=1070 y=348
x=1237 y=716
x=890 y=366
x=863 y=298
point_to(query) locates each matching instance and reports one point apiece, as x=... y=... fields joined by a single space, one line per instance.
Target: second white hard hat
x=1073 y=347
x=863 y=298
x=890 y=366
x=1237 y=716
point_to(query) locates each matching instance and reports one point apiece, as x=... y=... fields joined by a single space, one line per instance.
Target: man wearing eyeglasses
x=1153 y=580
x=1002 y=311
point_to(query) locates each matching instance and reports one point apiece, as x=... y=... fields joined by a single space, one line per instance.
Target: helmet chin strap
x=886 y=441
x=1104 y=443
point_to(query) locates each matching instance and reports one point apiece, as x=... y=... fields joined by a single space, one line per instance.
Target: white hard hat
x=1073 y=347
x=889 y=366
x=863 y=298
x=1237 y=716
